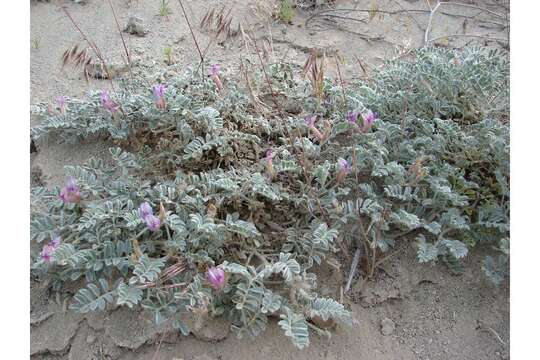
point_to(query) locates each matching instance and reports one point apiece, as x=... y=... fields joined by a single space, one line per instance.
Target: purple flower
x=369 y=118
x=70 y=192
x=344 y=169
x=147 y=215
x=104 y=97
x=49 y=249
x=344 y=166
x=214 y=70
x=64 y=195
x=47 y=253
x=71 y=185
x=352 y=116
x=269 y=155
x=61 y=101
x=159 y=91
x=310 y=120
x=145 y=210
x=152 y=222
x=216 y=277
x=107 y=102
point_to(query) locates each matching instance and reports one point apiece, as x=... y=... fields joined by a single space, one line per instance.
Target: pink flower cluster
x=61 y=102
x=147 y=215
x=310 y=121
x=159 y=94
x=70 y=193
x=344 y=166
x=49 y=249
x=368 y=119
x=344 y=169
x=213 y=72
x=216 y=277
x=107 y=102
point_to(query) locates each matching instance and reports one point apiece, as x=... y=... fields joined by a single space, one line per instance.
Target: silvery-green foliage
x=146 y=270
x=435 y=170
x=100 y=233
x=464 y=84
x=445 y=112
x=93 y=297
x=296 y=328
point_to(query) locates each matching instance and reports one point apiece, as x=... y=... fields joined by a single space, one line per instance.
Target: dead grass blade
x=314 y=71
x=79 y=58
x=220 y=23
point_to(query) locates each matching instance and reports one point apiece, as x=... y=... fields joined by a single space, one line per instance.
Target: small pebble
x=135 y=26
x=90 y=339
x=387 y=326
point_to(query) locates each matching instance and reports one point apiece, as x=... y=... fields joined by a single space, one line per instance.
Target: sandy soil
x=436 y=315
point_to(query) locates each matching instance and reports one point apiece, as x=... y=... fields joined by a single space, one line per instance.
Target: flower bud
x=162 y=212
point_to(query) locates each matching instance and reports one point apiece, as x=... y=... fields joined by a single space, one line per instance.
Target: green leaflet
x=93 y=297
x=295 y=327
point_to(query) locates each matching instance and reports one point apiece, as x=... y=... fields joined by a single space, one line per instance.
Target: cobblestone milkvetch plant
x=214 y=205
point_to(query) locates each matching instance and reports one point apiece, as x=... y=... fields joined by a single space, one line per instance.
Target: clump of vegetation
x=164 y=9
x=35 y=42
x=218 y=205
x=285 y=11
x=167 y=52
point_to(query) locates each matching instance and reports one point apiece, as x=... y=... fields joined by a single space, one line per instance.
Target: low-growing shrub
x=222 y=205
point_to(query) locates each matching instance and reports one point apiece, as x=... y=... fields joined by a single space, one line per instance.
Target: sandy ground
x=436 y=315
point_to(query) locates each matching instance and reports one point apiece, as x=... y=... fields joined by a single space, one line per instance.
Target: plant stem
x=122 y=37
x=430 y=21
x=341 y=83
x=192 y=35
